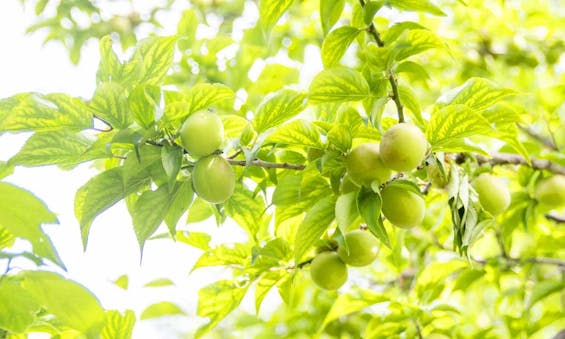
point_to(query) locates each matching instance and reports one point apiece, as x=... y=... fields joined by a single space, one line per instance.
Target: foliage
x=486 y=93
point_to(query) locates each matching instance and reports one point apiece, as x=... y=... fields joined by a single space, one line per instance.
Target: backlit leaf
x=118 y=326
x=336 y=43
x=330 y=11
x=278 y=109
x=315 y=223
x=270 y=12
x=161 y=309
x=338 y=85
x=297 y=132
x=476 y=93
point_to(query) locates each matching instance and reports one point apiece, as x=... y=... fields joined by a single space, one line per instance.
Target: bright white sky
x=27 y=66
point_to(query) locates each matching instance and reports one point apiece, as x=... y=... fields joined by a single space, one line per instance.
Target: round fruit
x=328 y=271
x=213 y=179
x=402 y=207
x=362 y=246
x=551 y=191
x=202 y=133
x=493 y=193
x=364 y=165
x=403 y=147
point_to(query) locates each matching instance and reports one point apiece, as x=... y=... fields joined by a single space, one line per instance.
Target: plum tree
x=402 y=207
x=202 y=133
x=361 y=249
x=328 y=271
x=550 y=191
x=347 y=185
x=213 y=179
x=403 y=147
x=364 y=165
x=494 y=195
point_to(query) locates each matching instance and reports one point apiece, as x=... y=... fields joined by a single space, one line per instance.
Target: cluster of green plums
x=329 y=269
x=201 y=135
x=402 y=148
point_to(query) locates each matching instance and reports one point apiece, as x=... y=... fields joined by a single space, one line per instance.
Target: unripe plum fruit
x=328 y=271
x=403 y=147
x=202 y=133
x=364 y=165
x=494 y=195
x=402 y=207
x=551 y=191
x=362 y=246
x=213 y=179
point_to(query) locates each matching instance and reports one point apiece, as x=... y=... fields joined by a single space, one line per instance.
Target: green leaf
x=186 y=29
x=270 y=12
x=111 y=104
x=435 y=273
x=247 y=210
x=467 y=277
x=102 y=192
x=266 y=282
x=171 y=158
x=450 y=124
x=180 y=203
x=411 y=67
x=543 y=289
x=18 y=308
x=144 y=102
x=278 y=109
x=150 y=211
x=315 y=223
x=346 y=210
x=7 y=239
x=273 y=78
x=416 y=42
x=161 y=309
x=369 y=204
x=338 y=85
x=40 y=113
x=238 y=255
x=216 y=301
x=71 y=303
x=15 y=216
x=65 y=148
x=156 y=54
x=340 y=135
x=200 y=96
x=336 y=43
x=476 y=93
x=370 y=9
x=160 y=282
x=110 y=67
x=352 y=302
x=410 y=100
x=417 y=6
x=6 y=169
x=297 y=132
x=197 y=239
x=396 y=30
x=330 y=11
x=122 y=281
x=118 y=326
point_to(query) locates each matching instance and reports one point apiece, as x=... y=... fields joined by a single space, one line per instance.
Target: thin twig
x=545 y=141
x=372 y=30
x=110 y=127
x=266 y=164
x=513 y=159
x=560 y=219
x=519 y=261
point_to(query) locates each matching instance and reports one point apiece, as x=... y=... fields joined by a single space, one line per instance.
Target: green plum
x=551 y=191
x=202 y=133
x=213 y=179
x=328 y=271
x=362 y=248
x=402 y=207
x=494 y=195
x=403 y=147
x=364 y=165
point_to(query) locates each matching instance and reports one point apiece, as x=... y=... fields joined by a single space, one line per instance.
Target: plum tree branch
x=266 y=164
x=513 y=159
x=522 y=261
x=545 y=141
x=372 y=30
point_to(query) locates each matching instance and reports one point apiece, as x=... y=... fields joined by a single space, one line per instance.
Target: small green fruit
x=494 y=195
x=402 y=207
x=202 y=133
x=362 y=246
x=551 y=191
x=403 y=147
x=213 y=179
x=328 y=271
x=364 y=165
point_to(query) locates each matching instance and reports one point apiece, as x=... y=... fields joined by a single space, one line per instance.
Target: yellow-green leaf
x=336 y=43
x=338 y=85
x=278 y=109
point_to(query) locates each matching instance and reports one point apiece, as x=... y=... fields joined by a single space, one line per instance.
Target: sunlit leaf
x=296 y=132
x=336 y=43
x=278 y=109
x=270 y=12
x=417 y=6
x=330 y=11
x=118 y=326
x=338 y=85
x=315 y=223
x=18 y=307
x=352 y=302
x=161 y=309
x=476 y=93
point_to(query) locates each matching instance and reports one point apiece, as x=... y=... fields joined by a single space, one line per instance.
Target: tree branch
x=519 y=261
x=372 y=30
x=545 y=141
x=513 y=159
x=266 y=164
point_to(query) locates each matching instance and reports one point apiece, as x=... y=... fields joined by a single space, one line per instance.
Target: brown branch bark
x=266 y=164
x=513 y=159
